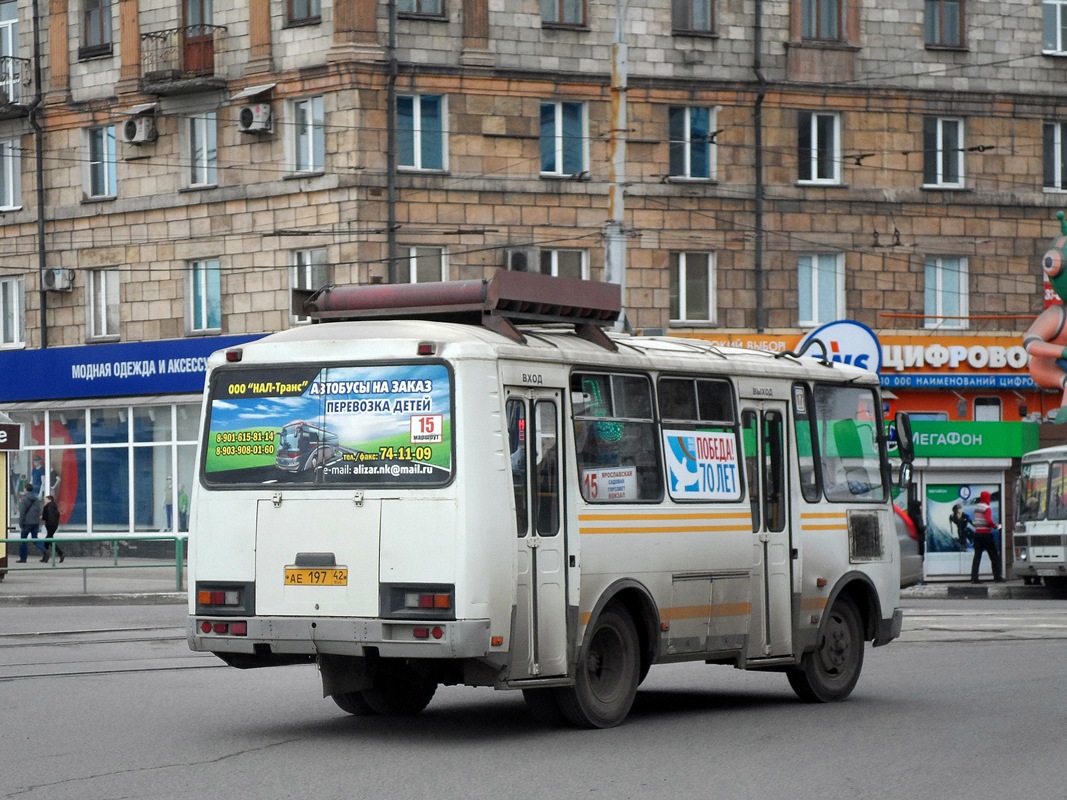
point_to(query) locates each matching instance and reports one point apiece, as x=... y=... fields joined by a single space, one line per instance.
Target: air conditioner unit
x=255 y=119
x=521 y=259
x=139 y=130
x=59 y=280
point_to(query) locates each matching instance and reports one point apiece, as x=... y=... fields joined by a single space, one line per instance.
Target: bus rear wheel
x=829 y=673
x=399 y=691
x=605 y=683
x=354 y=703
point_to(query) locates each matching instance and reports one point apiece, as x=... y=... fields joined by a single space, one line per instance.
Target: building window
x=11 y=312
x=103 y=291
x=1054 y=14
x=692 y=287
x=302 y=12
x=10 y=174
x=96 y=28
x=309 y=135
x=692 y=149
x=945 y=297
x=427 y=265
x=987 y=409
x=944 y=23
x=563 y=150
x=309 y=271
x=10 y=66
x=421 y=131
x=101 y=179
x=563 y=12
x=821 y=287
x=1055 y=156
x=821 y=20
x=693 y=16
x=425 y=8
x=565 y=263
x=203 y=154
x=204 y=297
x=818 y=148
x=942 y=151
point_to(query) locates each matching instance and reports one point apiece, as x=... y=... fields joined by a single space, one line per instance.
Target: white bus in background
x=549 y=508
x=1040 y=534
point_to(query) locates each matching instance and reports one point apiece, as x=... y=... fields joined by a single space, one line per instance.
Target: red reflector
x=205 y=626
x=438 y=633
x=420 y=633
x=220 y=627
x=427 y=348
x=234 y=355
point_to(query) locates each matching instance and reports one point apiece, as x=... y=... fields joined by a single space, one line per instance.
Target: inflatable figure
x=1046 y=339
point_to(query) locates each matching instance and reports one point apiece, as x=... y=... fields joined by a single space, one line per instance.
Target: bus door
x=766 y=467
x=539 y=635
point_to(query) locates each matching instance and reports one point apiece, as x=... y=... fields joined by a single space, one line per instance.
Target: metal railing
x=175 y=53
x=178 y=564
x=15 y=79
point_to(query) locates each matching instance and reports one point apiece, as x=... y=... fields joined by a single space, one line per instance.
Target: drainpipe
x=390 y=145
x=38 y=143
x=757 y=119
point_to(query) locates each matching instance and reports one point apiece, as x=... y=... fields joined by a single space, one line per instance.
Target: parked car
x=911 y=563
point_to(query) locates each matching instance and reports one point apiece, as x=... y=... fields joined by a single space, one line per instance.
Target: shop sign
x=169 y=366
x=10 y=436
x=974 y=439
x=845 y=342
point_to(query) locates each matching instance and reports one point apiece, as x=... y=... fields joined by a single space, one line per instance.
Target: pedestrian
x=183 y=508
x=984 y=540
x=915 y=514
x=50 y=517
x=29 y=520
x=963 y=525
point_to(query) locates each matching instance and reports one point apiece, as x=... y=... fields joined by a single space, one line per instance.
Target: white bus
x=1040 y=532
x=551 y=508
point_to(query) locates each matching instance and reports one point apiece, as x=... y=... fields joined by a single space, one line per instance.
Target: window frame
x=203 y=296
x=97 y=35
x=554 y=12
x=684 y=17
x=10 y=174
x=1054 y=27
x=295 y=18
x=101 y=164
x=10 y=70
x=304 y=265
x=679 y=279
x=548 y=259
x=308 y=141
x=418 y=9
x=935 y=159
x=937 y=28
x=12 y=312
x=413 y=255
x=813 y=20
x=684 y=149
x=1054 y=156
x=562 y=141
x=421 y=145
x=818 y=273
x=813 y=155
x=935 y=293
x=202 y=169
x=104 y=318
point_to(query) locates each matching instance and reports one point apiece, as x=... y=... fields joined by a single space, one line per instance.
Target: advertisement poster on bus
x=376 y=425
x=702 y=465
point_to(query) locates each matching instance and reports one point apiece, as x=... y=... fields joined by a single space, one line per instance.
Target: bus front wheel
x=829 y=673
x=605 y=682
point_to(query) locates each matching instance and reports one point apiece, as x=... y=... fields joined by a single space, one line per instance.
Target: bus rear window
x=382 y=425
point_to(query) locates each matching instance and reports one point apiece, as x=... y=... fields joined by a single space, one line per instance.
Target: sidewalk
x=90 y=581
x=963 y=589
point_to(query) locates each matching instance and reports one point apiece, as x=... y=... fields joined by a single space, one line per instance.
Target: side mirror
x=905 y=446
x=904 y=481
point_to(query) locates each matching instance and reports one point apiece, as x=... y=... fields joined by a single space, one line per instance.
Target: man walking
x=29 y=520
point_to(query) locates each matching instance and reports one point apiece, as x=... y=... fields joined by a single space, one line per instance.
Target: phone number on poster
x=244 y=436
x=245 y=450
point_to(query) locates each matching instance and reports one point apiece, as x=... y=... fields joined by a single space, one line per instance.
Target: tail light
x=410 y=601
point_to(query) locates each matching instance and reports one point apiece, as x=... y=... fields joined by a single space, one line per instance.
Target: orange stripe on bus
x=665 y=515
x=812 y=603
x=674 y=529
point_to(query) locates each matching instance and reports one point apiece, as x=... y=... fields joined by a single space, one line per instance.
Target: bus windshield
x=372 y=425
x=848 y=431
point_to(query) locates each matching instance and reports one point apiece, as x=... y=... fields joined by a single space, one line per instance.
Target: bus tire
x=829 y=673
x=543 y=706
x=605 y=681
x=399 y=691
x=354 y=703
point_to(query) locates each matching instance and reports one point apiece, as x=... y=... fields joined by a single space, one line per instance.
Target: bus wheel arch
x=638 y=602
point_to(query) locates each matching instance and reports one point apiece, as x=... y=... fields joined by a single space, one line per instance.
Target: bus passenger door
x=766 y=467
x=539 y=631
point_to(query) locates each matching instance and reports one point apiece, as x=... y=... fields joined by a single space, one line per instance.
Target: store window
x=987 y=409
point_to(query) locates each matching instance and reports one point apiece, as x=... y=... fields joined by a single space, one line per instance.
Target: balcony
x=16 y=86
x=182 y=60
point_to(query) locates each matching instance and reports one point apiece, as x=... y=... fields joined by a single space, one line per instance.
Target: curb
x=982 y=591
x=113 y=599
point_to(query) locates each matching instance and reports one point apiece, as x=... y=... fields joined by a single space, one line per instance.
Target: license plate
x=330 y=576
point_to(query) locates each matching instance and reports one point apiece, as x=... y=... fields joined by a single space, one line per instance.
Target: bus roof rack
x=499 y=303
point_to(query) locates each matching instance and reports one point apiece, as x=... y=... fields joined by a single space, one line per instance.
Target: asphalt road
x=107 y=702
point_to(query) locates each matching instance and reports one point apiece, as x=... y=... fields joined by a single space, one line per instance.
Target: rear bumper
x=889 y=629
x=348 y=637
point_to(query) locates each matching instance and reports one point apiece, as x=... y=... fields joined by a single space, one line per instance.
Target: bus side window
x=516 y=416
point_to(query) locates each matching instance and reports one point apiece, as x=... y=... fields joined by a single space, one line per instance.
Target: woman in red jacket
x=984 y=528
